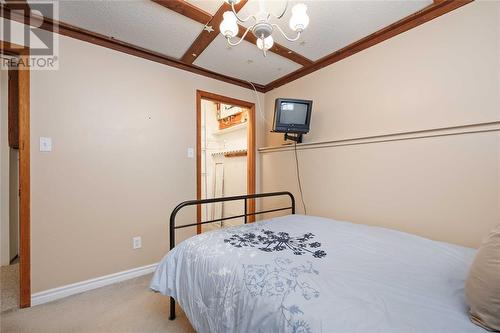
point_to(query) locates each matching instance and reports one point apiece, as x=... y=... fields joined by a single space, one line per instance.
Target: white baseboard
x=79 y=287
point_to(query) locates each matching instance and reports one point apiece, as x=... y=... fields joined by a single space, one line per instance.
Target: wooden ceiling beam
x=186 y=9
x=436 y=9
x=205 y=38
x=117 y=45
x=277 y=48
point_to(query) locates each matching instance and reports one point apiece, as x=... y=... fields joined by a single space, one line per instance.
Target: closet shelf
x=232 y=129
x=231 y=153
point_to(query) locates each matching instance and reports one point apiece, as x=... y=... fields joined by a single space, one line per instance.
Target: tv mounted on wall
x=292 y=116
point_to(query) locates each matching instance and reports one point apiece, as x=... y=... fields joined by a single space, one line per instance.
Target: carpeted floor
x=9 y=287
x=123 y=307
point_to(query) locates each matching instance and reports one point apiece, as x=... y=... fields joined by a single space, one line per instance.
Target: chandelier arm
x=241 y=39
x=238 y=18
x=284 y=34
x=282 y=13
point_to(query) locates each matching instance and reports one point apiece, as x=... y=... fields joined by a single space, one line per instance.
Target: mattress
x=309 y=274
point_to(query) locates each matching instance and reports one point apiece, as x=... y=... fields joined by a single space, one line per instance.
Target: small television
x=292 y=116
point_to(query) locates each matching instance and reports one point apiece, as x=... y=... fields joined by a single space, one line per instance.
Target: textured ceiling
x=335 y=24
x=139 y=22
x=244 y=61
x=149 y=25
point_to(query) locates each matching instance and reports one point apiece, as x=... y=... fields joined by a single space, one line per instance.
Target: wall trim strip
x=80 y=287
x=483 y=127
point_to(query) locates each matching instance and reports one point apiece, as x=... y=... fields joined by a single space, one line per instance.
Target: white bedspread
x=308 y=274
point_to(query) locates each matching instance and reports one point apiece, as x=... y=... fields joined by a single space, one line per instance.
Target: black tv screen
x=292 y=115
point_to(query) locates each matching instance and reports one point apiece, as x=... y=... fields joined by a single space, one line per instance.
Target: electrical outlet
x=136 y=242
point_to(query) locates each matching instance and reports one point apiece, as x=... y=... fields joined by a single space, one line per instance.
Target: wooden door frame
x=24 y=171
x=200 y=94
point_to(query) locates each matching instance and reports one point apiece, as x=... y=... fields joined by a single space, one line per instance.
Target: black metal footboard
x=246 y=214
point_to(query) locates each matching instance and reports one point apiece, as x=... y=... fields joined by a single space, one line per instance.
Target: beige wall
x=120 y=127
x=4 y=170
x=443 y=73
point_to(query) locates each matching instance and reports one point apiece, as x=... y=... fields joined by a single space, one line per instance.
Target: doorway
x=225 y=157
x=15 y=177
x=9 y=191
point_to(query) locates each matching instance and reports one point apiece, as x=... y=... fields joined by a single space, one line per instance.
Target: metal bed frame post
x=246 y=217
x=245 y=198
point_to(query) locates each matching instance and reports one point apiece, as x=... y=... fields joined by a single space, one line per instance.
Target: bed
x=299 y=273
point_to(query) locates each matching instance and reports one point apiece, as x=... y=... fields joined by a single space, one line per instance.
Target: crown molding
x=438 y=8
x=117 y=45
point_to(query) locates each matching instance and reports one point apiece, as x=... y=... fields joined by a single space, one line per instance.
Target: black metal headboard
x=246 y=214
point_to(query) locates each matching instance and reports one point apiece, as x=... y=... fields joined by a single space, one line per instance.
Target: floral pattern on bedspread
x=226 y=283
x=279 y=281
x=269 y=241
x=284 y=280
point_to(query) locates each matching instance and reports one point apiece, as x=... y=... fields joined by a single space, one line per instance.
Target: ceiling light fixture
x=263 y=28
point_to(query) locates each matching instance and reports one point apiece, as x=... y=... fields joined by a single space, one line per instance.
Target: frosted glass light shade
x=267 y=44
x=228 y=27
x=299 y=19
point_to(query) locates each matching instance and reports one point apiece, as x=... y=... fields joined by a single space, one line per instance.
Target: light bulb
x=266 y=44
x=228 y=27
x=299 y=8
x=299 y=20
x=233 y=2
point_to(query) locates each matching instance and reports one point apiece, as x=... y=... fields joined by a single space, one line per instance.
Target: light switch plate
x=136 y=242
x=190 y=152
x=45 y=144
